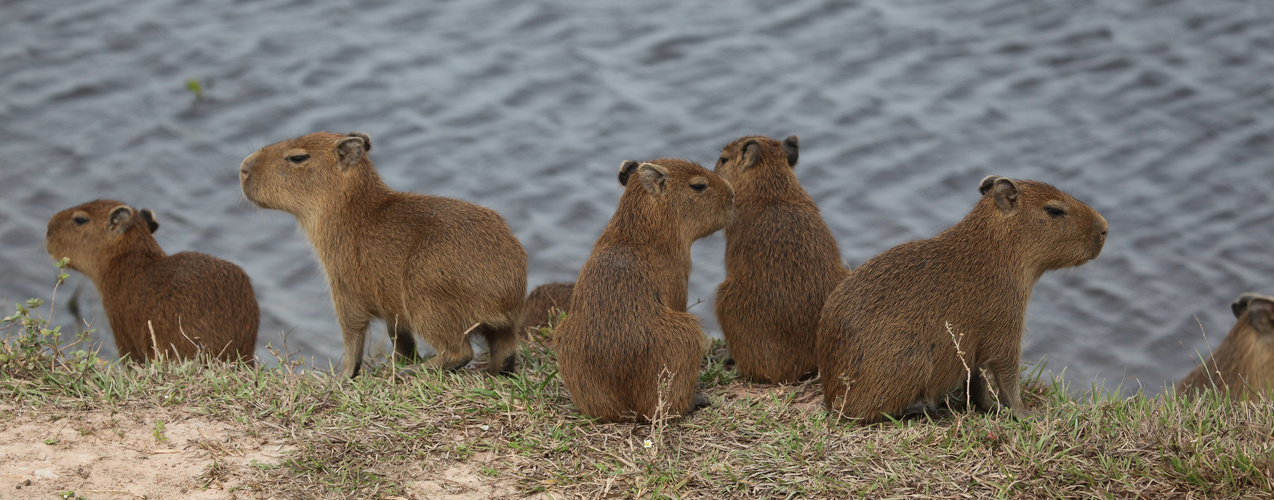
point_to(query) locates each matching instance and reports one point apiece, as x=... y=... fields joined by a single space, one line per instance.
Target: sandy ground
x=100 y=455
x=124 y=455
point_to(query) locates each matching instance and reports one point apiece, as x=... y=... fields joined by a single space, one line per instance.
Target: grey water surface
x=1159 y=114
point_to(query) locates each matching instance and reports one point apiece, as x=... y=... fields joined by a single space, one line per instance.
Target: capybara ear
x=1240 y=304
x=1260 y=313
x=367 y=140
x=351 y=149
x=149 y=217
x=792 y=146
x=626 y=169
x=120 y=219
x=751 y=154
x=653 y=177
x=1004 y=190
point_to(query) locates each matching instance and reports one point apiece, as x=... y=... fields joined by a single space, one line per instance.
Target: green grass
x=371 y=436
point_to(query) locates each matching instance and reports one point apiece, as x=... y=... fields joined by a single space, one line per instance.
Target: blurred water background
x=1160 y=114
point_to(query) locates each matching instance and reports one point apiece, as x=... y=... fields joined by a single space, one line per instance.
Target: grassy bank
x=394 y=435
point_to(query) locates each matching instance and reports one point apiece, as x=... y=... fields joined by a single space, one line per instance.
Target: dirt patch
x=464 y=482
x=149 y=453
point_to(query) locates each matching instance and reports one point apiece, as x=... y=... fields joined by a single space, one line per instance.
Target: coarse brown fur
x=194 y=302
x=1244 y=363
x=628 y=350
x=883 y=339
x=781 y=261
x=437 y=267
x=545 y=305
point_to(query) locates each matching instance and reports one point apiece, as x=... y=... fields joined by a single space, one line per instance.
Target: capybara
x=1244 y=363
x=436 y=267
x=628 y=350
x=193 y=302
x=544 y=305
x=883 y=341
x=781 y=261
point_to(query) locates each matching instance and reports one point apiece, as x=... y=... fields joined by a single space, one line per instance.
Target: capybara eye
x=1055 y=212
x=698 y=187
x=721 y=160
x=297 y=158
x=80 y=221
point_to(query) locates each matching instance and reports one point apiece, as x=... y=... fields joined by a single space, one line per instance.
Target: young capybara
x=628 y=350
x=437 y=267
x=194 y=302
x=781 y=261
x=1244 y=363
x=883 y=340
x=544 y=305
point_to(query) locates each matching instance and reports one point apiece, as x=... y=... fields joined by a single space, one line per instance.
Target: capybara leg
x=980 y=393
x=1006 y=378
x=503 y=346
x=405 y=344
x=353 y=333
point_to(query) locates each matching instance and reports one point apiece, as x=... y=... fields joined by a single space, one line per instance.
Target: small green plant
x=196 y=88
x=159 y=431
x=31 y=349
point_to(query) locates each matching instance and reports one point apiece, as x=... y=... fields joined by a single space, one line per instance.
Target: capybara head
x=700 y=201
x=97 y=229
x=756 y=155
x=299 y=175
x=1260 y=314
x=1058 y=230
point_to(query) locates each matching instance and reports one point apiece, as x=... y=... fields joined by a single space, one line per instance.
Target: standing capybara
x=544 y=305
x=1244 y=363
x=628 y=350
x=428 y=265
x=883 y=340
x=158 y=304
x=780 y=262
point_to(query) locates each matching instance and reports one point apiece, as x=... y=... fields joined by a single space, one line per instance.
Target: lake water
x=1159 y=114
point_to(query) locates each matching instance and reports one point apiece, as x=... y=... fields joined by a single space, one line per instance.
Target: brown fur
x=628 y=329
x=1244 y=363
x=544 y=305
x=882 y=339
x=194 y=302
x=437 y=267
x=781 y=261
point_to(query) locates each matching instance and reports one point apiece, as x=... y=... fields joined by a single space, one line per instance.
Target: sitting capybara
x=437 y=267
x=1244 y=363
x=883 y=340
x=781 y=261
x=158 y=304
x=544 y=305
x=628 y=350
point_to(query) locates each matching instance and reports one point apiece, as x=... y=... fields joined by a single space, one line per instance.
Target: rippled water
x=1160 y=114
